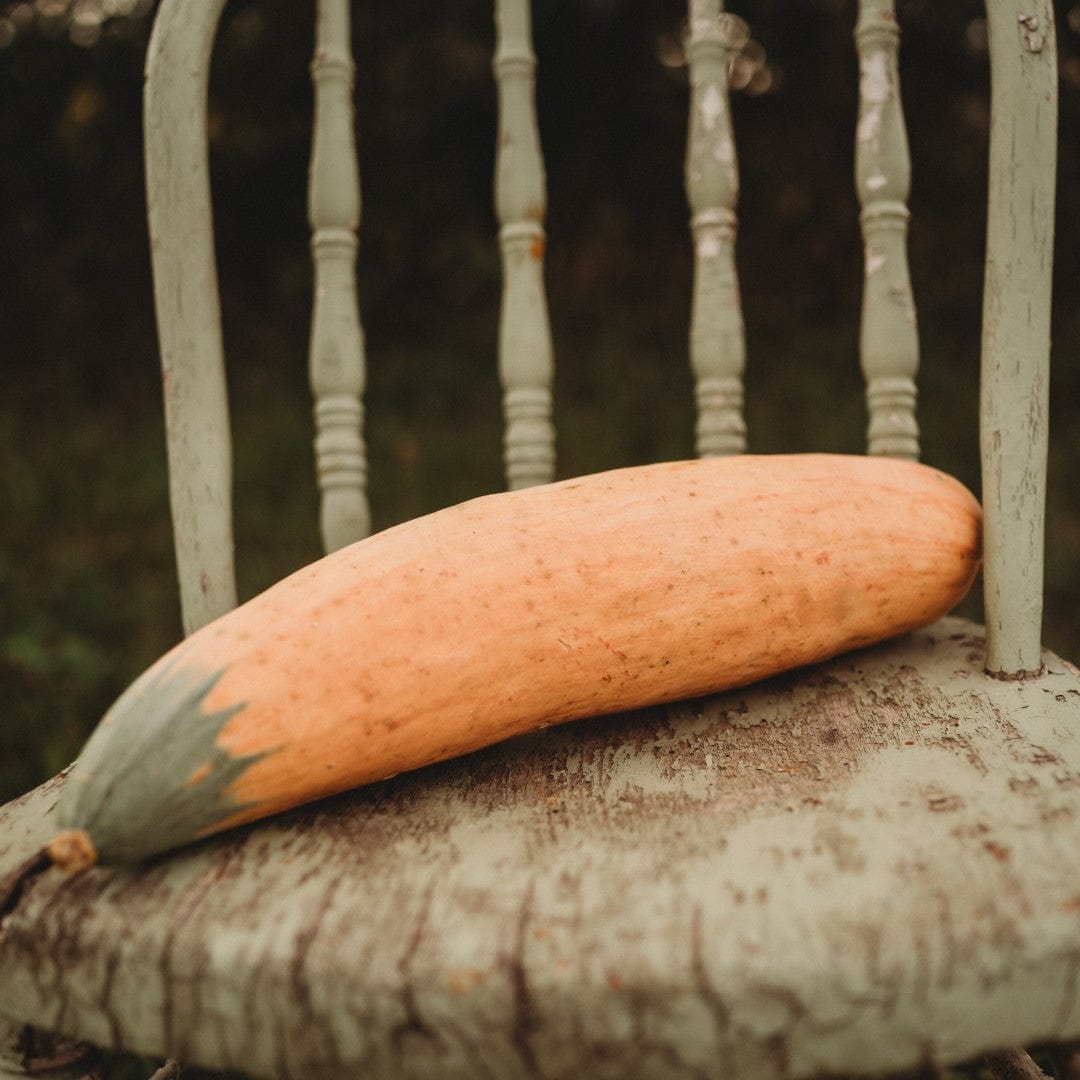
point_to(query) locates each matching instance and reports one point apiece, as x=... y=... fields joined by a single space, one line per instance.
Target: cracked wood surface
x=865 y=866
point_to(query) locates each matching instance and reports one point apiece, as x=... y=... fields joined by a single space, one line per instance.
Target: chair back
x=1016 y=318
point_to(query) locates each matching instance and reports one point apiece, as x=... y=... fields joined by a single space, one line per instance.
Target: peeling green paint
x=130 y=789
x=1015 y=366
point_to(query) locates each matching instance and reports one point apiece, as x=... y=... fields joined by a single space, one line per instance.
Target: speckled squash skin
x=515 y=611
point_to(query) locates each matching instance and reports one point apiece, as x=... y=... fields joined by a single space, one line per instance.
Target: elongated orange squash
x=509 y=613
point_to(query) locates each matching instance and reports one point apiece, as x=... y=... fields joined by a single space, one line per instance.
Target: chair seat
x=825 y=872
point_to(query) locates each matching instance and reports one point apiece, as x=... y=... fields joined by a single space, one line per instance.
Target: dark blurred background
x=87 y=592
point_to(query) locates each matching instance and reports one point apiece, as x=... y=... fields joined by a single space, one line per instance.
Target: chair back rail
x=180 y=221
x=1015 y=375
x=1015 y=346
x=717 y=340
x=889 y=343
x=526 y=363
x=336 y=355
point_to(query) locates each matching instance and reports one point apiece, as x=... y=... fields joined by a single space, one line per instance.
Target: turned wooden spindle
x=336 y=357
x=717 y=343
x=526 y=363
x=889 y=343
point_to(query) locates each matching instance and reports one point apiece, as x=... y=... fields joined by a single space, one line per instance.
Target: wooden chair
x=868 y=866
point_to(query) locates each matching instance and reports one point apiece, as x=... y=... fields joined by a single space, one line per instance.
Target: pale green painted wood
x=526 y=363
x=717 y=340
x=889 y=344
x=188 y=309
x=337 y=344
x=1016 y=326
x=864 y=866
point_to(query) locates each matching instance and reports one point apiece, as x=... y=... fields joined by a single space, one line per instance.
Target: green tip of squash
x=72 y=851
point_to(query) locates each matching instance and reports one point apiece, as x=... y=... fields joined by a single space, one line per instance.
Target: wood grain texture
x=862 y=867
x=187 y=305
x=1015 y=376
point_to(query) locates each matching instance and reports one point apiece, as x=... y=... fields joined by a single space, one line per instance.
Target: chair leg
x=1013 y=1065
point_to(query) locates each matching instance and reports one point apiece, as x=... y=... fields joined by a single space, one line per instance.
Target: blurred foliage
x=87 y=596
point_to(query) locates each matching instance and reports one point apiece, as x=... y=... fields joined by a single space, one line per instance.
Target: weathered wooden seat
x=865 y=867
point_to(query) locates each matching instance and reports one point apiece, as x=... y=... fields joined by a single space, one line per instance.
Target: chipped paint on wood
x=724 y=152
x=876 y=90
x=875 y=81
x=1034 y=37
x=869 y=125
x=1016 y=328
x=622 y=897
x=874 y=262
x=709 y=246
x=712 y=106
